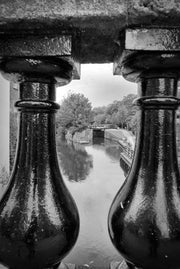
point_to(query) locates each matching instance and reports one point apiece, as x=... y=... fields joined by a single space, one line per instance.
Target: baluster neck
x=156 y=138
x=37 y=126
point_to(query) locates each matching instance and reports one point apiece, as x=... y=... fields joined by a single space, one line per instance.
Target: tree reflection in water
x=112 y=149
x=75 y=166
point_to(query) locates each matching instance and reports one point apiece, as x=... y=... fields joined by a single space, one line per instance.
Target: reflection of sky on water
x=93 y=197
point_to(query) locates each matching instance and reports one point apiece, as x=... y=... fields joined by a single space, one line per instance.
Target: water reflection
x=94 y=191
x=112 y=150
x=76 y=163
x=93 y=175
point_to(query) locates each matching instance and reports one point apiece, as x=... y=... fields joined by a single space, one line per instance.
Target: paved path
x=121 y=134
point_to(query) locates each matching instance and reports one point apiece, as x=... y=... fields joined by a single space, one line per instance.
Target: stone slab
x=97 y=22
x=36 y=46
x=153 y=39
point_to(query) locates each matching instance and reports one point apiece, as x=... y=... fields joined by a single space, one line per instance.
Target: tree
x=75 y=113
x=121 y=113
x=99 y=115
x=113 y=108
x=121 y=116
x=133 y=122
x=99 y=119
x=131 y=119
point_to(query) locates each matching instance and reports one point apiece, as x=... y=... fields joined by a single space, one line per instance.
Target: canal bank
x=125 y=139
x=87 y=135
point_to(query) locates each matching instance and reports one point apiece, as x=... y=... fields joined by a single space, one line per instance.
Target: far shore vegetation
x=76 y=114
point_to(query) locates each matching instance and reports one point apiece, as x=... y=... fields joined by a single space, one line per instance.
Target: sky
x=99 y=85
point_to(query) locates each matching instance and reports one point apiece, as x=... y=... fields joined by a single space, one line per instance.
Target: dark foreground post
x=39 y=221
x=144 y=219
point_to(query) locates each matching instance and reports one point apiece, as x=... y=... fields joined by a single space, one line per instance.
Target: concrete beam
x=96 y=22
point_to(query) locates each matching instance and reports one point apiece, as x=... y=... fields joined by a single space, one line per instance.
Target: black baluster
x=144 y=219
x=39 y=221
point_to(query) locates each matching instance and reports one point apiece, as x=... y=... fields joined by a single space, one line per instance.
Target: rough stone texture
x=36 y=46
x=18 y=9
x=154 y=39
x=156 y=12
x=96 y=23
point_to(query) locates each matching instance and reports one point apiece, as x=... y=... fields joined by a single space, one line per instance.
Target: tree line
x=76 y=114
x=121 y=113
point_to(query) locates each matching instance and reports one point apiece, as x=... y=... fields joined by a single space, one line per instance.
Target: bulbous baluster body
x=39 y=221
x=144 y=219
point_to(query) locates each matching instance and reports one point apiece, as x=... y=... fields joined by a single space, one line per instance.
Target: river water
x=93 y=175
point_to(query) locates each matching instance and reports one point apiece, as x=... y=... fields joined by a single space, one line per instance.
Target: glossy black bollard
x=39 y=222
x=144 y=219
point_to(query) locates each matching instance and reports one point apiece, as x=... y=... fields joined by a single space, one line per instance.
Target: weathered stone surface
x=36 y=46
x=97 y=23
x=60 y=9
x=154 y=39
x=156 y=12
x=148 y=49
x=40 y=46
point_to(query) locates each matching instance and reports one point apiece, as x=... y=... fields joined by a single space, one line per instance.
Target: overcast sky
x=99 y=85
